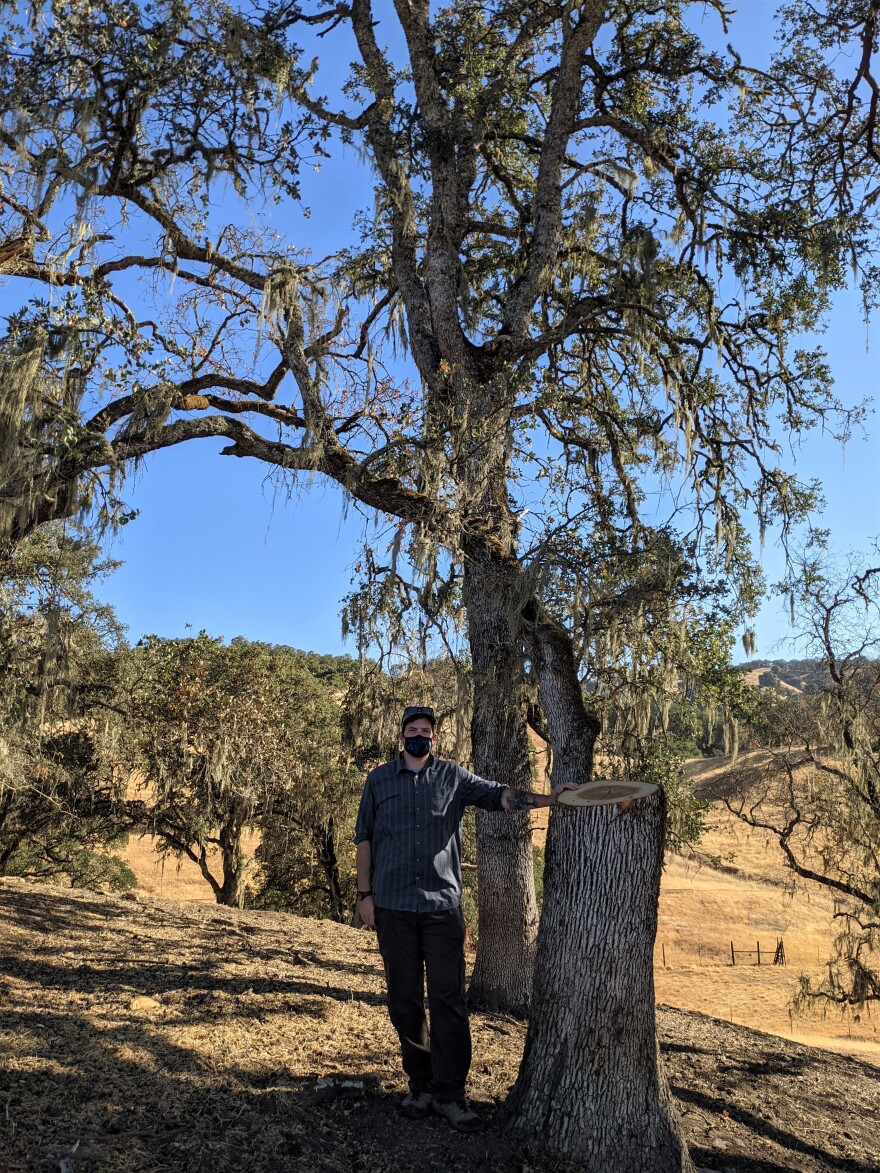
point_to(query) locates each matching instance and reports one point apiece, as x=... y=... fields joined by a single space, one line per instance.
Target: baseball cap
x=411 y=712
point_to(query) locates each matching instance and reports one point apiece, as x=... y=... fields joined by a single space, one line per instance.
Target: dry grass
x=748 y=896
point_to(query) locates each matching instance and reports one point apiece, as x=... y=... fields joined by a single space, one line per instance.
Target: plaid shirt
x=413 y=821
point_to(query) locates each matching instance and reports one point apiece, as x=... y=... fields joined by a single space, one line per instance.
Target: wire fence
x=686 y=954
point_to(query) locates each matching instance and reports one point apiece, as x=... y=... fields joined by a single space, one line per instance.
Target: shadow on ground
x=154 y=1037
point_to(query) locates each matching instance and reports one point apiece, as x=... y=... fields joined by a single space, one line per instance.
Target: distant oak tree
x=227 y=741
x=818 y=791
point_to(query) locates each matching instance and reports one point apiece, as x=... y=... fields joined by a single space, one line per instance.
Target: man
x=408 y=836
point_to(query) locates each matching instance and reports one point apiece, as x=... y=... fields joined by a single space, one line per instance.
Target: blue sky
x=850 y=475
x=217 y=546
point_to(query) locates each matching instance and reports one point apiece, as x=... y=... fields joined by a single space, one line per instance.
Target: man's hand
x=367 y=909
x=557 y=790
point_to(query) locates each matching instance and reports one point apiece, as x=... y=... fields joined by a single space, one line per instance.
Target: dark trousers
x=415 y=946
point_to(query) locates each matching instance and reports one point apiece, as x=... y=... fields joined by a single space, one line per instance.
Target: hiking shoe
x=459 y=1114
x=416 y=1105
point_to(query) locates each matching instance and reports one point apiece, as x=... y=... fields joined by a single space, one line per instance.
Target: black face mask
x=419 y=745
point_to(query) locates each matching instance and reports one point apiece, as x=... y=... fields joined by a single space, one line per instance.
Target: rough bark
x=591 y=1087
x=324 y=839
x=502 y=976
x=232 y=821
x=229 y=892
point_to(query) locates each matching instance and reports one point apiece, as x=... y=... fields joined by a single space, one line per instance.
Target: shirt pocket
x=393 y=806
x=443 y=801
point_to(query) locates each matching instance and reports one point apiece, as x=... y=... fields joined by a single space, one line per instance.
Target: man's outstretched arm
x=524 y=800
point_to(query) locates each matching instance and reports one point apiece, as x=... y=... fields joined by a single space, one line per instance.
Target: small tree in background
x=305 y=854
x=61 y=814
x=61 y=799
x=230 y=740
x=818 y=792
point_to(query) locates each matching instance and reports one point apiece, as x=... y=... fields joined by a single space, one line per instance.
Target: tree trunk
x=590 y=1087
x=229 y=892
x=324 y=839
x=14 y=837
x=508 y=914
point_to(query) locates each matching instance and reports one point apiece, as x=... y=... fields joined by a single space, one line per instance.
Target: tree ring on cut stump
x=601 y=792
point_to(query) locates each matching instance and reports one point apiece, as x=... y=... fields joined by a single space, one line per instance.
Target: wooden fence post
x=732 y=954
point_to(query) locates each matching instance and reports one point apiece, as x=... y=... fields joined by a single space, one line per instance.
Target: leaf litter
x=150 y=1036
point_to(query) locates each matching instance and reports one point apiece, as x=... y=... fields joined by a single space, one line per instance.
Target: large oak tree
x=584 y=278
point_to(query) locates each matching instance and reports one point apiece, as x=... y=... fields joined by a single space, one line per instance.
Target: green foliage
x=55 y=635
x=61 y=806
x=335 y=672
x=376 y=699
x=584 y=354
x=653 y=628
x=230 y=739
x=308 y=870
x=655 y=762
x=61 y=813
x=305 y=854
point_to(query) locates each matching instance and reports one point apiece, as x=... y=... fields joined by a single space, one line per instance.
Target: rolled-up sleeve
x=366 y=816
x=481 y=792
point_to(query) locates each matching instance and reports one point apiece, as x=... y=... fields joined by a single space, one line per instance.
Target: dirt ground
x=155 y=1035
